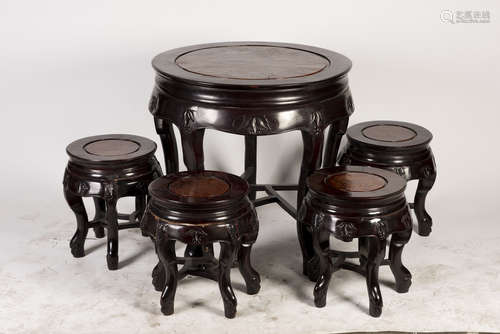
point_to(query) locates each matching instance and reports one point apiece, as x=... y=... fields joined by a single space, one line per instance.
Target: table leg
x=311 y=160
x=192 y=150
x=166 y=132
x=251 y=162
x=335 y=133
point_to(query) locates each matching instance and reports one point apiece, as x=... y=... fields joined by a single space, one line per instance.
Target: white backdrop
x=70 y=69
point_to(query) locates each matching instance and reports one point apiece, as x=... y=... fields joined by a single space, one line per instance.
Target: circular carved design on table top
x=355 y=182
x=389 y=133
x=199 y=186
x=252 y=62
x=111 y=147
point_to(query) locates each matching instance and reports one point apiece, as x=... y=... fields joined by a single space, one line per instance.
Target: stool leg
x=424 y=186
x=158 y=275
x=321 y=246
x=100 y=213
x=373 y=249
x=78 y=241
x=166 y=253
x=251 y=276
x=112 y=223
x=401 y=274
x=226 y=290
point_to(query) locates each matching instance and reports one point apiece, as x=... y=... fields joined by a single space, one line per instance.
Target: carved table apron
x=253 y=89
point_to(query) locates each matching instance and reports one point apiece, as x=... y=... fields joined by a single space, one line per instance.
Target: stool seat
x=110 y=149
x=400 y=147
x=357 y=202
x=198 y=209
x=106 y=168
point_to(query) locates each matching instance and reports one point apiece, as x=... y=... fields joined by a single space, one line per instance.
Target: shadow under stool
x=198 y=209
x=398 y=146
x=106 y=168
x=364 y=203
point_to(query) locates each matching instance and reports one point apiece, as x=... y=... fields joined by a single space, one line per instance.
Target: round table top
x=356 y=182
x=251 y=63
x=112 y=148
x=389 y=135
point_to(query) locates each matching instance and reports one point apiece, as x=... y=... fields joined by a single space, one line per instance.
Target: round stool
x=398 y=146
x=358 y=202
x=106 y=168
x=200 y=208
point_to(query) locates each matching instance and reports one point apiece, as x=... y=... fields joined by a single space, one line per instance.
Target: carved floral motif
x=406 y=220
x=254 y=125
x=316 y=122
x=381 y=230
x=345 y=231
x=189 y=118
x=198 y=236
x=153 y=104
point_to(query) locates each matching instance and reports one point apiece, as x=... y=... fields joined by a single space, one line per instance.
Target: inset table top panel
x=252 y=62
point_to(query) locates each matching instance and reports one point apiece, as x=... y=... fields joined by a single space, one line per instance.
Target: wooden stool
x=200 y=208
x=358 y=202
x=107 y=168
x=398 y=146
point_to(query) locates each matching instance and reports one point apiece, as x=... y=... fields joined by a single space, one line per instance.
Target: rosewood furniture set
x=255 y=89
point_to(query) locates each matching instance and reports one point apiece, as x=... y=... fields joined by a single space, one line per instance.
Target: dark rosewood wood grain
x=369 y=215
x=199 y=186
x=355 y=181
x=252 y=62
x=398 y=146
x=106 y=168
x=253 y=89
x=225 y=215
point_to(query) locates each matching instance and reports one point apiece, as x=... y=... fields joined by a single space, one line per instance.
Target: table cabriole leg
x=169 y=144
x=311 y=160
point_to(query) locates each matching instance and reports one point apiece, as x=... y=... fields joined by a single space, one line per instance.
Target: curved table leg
x=335 y=133
x=311 y=160
x=251 y=162
x=166 y=132
x=192 y=151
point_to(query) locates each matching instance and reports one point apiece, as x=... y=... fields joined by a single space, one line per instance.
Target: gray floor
x=456 y=285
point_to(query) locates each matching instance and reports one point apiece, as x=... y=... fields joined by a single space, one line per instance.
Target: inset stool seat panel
x=398 y=146
x=364 y=203
x=198 y=209
x=108 y=167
